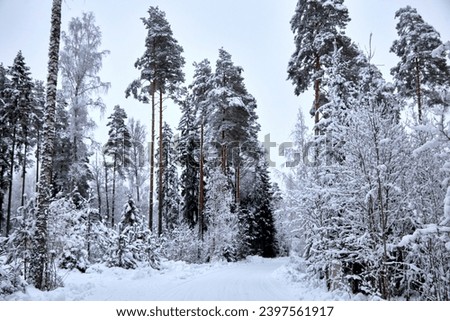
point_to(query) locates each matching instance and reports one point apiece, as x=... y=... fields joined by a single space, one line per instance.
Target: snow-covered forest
x=364 y=204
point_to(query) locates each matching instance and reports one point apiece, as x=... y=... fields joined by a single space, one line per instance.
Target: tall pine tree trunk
x=10 y=187
x=161 y=164
x=41 y=272
x=3 y=172
x=201 y=187
x=38 y=156
x=99 y=195
x=238 y=183
x=418 y=90
x=135 y=177
x=24 y=174
x=105 y=165
x=98 y=185
x=2 y=196
x=113 y=205
x=317 y=96
x=152 y=161
x=138 y=190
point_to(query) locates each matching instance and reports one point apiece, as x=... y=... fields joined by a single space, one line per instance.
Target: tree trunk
x=105 y=165
x=152 y=161
x=384 y=277
x=136 y=173
x=418 y=90
x=24 y=174
x=3 y=172
x=97 y=183
x=317 y=96
x=161 y=165
x=41 y=273
x=113 y=205
x=10 y=187
x=238 y=183
x=2 y=197
x=38 y=156
x=201 y=187
x=99 y=196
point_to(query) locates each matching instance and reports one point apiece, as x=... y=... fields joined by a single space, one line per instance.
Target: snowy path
x=253 y=279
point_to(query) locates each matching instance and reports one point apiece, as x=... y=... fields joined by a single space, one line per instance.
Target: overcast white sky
x=256 y=33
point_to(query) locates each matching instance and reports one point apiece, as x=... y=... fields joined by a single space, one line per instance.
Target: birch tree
x=80 y=63
x=42 y=275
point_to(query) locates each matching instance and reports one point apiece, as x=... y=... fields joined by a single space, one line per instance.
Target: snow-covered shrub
x=73 y=242
x=78 y=236
x=99 y=237
x=10 y=280
x=15 y=251
x=19 y=243
x=427 y=263
x=12 y=269
x=182 y=244
x=133 y=243
x=68 y=231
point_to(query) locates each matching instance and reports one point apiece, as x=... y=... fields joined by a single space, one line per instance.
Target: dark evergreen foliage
x=418 y=72
x=118 y=149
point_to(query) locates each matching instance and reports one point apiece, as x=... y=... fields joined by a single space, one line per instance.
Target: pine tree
x=419 y=71
x=63 y=149
x=231 y=116
x=161 y=66
x=80 y=64
x=118 y=148
x=317 y=24
x=41 y=274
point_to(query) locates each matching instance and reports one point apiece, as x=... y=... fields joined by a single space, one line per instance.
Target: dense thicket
x=371 y=208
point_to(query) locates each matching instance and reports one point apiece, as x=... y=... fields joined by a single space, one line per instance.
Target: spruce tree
x=257 y=216
x=18 y=114
x=4 y=144
x=188 y=158
x=63 y=149
x=194 y=115
x=118 y=148
x=170 y=195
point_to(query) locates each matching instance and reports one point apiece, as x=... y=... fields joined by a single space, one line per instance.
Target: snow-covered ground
x=253 y=279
